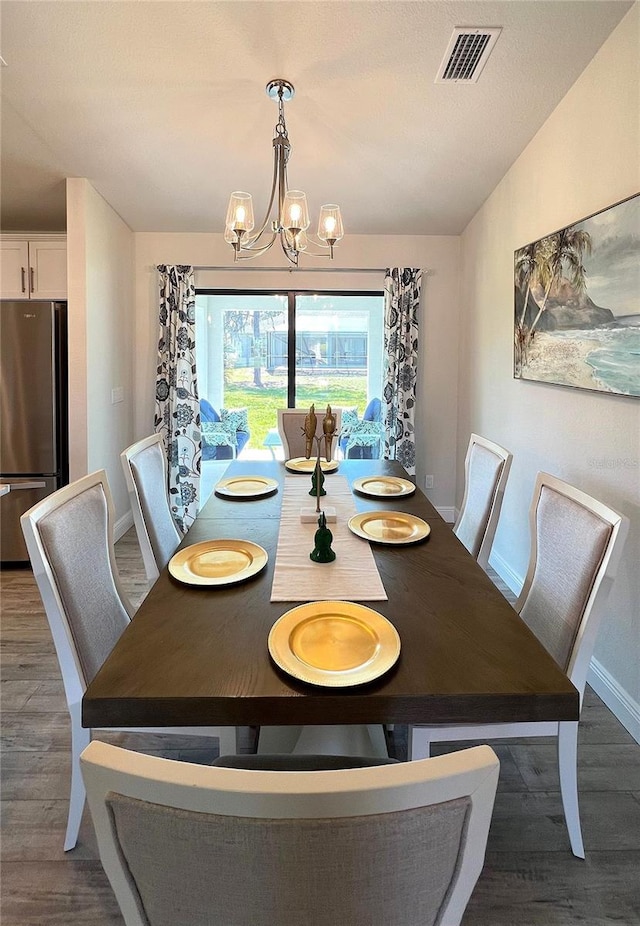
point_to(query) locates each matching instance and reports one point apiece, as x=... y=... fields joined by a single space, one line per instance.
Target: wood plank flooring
x=530 y=876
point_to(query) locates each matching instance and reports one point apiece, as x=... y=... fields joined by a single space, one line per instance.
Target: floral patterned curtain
x=177 y=415
x=401 y=299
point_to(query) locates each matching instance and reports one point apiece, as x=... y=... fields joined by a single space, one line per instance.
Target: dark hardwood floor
x=530 y=876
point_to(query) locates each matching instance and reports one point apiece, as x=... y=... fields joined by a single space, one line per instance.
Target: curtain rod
x=298 y=269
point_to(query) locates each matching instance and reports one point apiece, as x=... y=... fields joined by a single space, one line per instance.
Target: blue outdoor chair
x=218 y=442
x=364 y=440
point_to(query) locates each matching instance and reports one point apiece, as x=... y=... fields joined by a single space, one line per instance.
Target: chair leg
x=80 y=738
x=228 y=741
x=418 y=743
x=568 y=766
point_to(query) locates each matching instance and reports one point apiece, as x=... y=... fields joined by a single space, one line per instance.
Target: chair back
x=400 y=843
x=486 y=469
x=576 y=545
x=373 y=411
x=291 y=425
x=69 y=536
x=145 y=472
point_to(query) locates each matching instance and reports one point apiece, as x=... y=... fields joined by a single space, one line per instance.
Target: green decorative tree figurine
x=322 y=552
x=317 y=476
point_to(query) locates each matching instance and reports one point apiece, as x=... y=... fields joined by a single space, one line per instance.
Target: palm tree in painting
x=564 y=248
x=526 y=270
x=529 y=262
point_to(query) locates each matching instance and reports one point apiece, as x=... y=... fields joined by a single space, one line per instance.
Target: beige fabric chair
x=486 y=468
x=69 y=536
x=186 y=845
x=145 y=472
x=576 y=545
x=290 y=428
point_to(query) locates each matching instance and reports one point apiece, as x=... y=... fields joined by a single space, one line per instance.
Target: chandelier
x=292 y=214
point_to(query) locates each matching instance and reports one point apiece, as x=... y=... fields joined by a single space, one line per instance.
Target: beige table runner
x=352 y=576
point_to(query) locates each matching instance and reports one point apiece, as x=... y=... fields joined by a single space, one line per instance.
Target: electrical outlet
x=117 y=395
x=428 y=482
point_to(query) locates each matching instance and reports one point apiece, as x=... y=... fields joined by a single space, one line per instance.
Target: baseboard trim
x=506 y=573
x=449 y=514
x=122 y=525
x=617 y=699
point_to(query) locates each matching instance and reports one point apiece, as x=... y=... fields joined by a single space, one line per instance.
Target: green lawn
x=347 y=389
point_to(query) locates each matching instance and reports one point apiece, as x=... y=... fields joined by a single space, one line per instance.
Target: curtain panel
x=401 y=300
x=177 y=415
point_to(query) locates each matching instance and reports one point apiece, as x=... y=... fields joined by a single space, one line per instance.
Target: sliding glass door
x=263 y=351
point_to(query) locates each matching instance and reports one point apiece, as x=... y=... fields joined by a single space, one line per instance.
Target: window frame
x=291 y=295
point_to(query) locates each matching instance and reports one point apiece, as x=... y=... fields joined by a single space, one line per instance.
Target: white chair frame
x=498 y=494
x=421 y=737
x=291 y=795
x=302 y=412
x=73 y=675
x=152 y=568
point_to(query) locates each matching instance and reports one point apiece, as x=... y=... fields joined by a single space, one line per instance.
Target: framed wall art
x=577 y=304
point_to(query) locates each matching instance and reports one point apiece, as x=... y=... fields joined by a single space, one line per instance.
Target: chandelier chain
x=281 y=125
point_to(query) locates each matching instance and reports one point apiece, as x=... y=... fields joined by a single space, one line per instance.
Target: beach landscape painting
x=577 y=304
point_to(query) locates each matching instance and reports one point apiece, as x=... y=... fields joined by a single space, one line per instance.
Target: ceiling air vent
x=467 y=54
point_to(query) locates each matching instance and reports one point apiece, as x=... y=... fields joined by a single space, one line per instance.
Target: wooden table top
x=198 y=656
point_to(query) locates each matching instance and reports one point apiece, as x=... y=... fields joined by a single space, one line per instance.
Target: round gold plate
x=383 y=486
x=302 y=465
x=246 y=486
x=218 y=562
x=392 y=527
x=334 y=643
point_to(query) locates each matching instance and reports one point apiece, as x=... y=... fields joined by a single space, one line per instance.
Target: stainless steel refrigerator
x=33 y=413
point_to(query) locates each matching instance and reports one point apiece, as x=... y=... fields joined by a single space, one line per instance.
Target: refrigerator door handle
x=15 y=486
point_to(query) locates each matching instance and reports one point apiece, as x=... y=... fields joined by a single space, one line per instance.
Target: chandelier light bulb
x=330 y=223
x=240 y=212
x=295 y=212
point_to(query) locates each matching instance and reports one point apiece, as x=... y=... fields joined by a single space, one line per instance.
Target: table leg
x=325 y=740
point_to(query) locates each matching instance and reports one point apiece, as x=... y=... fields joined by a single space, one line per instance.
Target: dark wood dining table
x=197 y=656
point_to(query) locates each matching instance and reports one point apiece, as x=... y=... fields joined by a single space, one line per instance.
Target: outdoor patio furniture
x=221 y=440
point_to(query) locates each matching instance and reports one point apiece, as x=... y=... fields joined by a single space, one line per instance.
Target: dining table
x=199 y=656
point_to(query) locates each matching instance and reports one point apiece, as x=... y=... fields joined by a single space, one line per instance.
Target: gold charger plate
x=334 y=643
x=218 y=562
x=393 y=527
x=302 y=465
x=246 y=486
x=383 y=486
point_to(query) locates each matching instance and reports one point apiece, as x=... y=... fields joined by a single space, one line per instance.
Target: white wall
x=438 y=365
x=101 y=337
x=583 y=159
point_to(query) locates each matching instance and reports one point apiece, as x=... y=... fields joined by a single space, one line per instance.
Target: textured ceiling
x=161 y=105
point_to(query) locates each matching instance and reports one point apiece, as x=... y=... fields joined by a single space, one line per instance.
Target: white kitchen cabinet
x=33 y=268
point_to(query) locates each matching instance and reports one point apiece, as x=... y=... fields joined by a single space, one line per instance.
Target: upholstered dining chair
x=486 y=469
x=186 y=845
x=576 y=545
x=69 y=536
x=290 y=428
x=145 y=472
